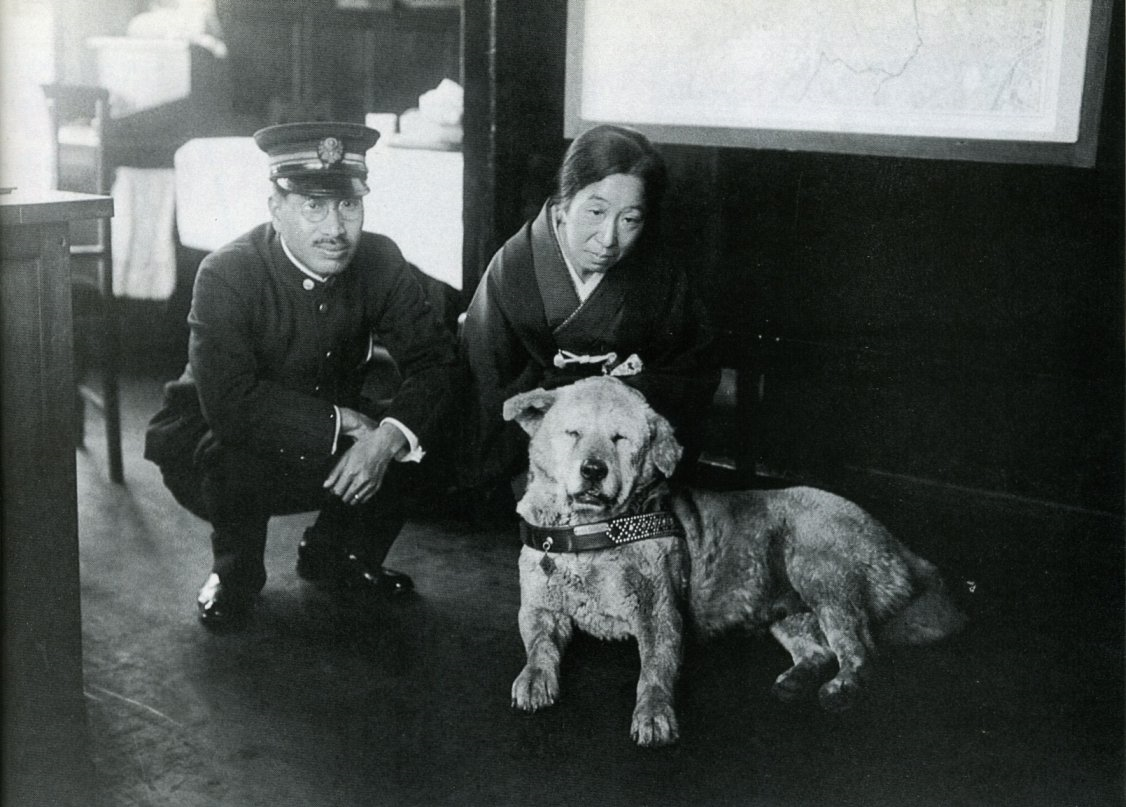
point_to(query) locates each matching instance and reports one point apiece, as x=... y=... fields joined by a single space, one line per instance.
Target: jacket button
x=323 y=307
x=307 y=284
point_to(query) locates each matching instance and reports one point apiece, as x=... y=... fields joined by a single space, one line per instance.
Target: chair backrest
x=79 y=117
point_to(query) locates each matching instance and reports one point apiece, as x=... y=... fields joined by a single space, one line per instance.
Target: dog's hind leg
x=847 y=633
x=836 y=596
x=546 y=635
x=813 y=659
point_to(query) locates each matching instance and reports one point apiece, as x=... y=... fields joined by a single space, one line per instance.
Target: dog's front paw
x=534 y=689
x=654 y=725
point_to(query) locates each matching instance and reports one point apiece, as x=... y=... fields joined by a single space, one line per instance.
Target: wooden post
x=513 y=55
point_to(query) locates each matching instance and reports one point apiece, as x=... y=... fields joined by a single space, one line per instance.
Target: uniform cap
x=318 y=159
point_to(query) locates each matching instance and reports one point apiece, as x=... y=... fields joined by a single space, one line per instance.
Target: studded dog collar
x=601 y=534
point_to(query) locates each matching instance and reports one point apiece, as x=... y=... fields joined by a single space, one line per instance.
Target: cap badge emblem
x=331 y=151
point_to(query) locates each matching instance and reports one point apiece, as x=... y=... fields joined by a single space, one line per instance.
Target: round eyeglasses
x=316 y=210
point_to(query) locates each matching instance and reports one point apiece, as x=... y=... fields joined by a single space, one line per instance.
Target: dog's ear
x=664 y=449
x=528 y=408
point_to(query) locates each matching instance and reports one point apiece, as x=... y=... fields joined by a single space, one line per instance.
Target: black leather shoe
x=319 y=561
x=385 y=582
x=219 y=604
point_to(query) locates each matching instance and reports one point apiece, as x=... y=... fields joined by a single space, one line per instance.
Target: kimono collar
x=583 y=288
x=562 y=308
x=560 y=300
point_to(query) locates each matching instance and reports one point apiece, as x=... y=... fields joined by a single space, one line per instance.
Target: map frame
x=1080 y=84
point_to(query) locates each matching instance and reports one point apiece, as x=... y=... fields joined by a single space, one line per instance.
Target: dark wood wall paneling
x=955 y=323
x=298 y=59
x=951 y=321
x=305 y=59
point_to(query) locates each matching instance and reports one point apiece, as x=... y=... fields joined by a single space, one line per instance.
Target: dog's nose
x=593 y=470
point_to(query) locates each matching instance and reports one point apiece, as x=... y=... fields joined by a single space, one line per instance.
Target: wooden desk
x=45 y=759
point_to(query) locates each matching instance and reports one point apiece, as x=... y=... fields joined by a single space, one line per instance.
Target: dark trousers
x=238 y=491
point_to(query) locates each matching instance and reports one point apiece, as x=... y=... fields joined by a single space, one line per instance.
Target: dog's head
x=594 y=444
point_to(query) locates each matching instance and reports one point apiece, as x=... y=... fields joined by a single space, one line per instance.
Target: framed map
x=1007 y=80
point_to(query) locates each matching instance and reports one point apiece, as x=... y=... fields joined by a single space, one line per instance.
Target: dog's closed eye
x=574 y=435
x=617 y=438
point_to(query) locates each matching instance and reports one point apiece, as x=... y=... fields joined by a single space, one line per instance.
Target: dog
x=812 y=568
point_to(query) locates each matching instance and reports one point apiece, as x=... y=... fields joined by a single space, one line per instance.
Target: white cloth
x=222 y=184
x=144 y=253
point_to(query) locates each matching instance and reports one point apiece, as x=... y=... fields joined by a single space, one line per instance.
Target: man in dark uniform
x=268 y=418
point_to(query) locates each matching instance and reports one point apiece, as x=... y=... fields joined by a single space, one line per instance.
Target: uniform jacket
x=271 y=351
x=526 y=309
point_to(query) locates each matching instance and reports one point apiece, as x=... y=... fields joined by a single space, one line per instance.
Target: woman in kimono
x=581 y=290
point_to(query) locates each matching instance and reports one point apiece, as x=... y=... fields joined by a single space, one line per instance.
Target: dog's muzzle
x=593 y=481
x=593 y=470
x=592 y=497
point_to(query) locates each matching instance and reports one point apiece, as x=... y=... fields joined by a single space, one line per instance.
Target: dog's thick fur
x=823 y=576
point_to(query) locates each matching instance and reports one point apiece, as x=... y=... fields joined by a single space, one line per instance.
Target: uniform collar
x=302 y=267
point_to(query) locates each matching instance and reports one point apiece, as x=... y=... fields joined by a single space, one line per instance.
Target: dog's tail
x=932 y=614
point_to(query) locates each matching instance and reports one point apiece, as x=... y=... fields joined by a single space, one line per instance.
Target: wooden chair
x=80 y=123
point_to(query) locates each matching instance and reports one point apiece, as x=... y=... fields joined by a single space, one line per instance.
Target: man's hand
x=359 y=473
x=353 y=423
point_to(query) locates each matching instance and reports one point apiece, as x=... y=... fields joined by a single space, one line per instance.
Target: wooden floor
x=320 y=701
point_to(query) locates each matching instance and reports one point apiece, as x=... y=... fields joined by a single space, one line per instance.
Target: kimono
x=526 y=328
